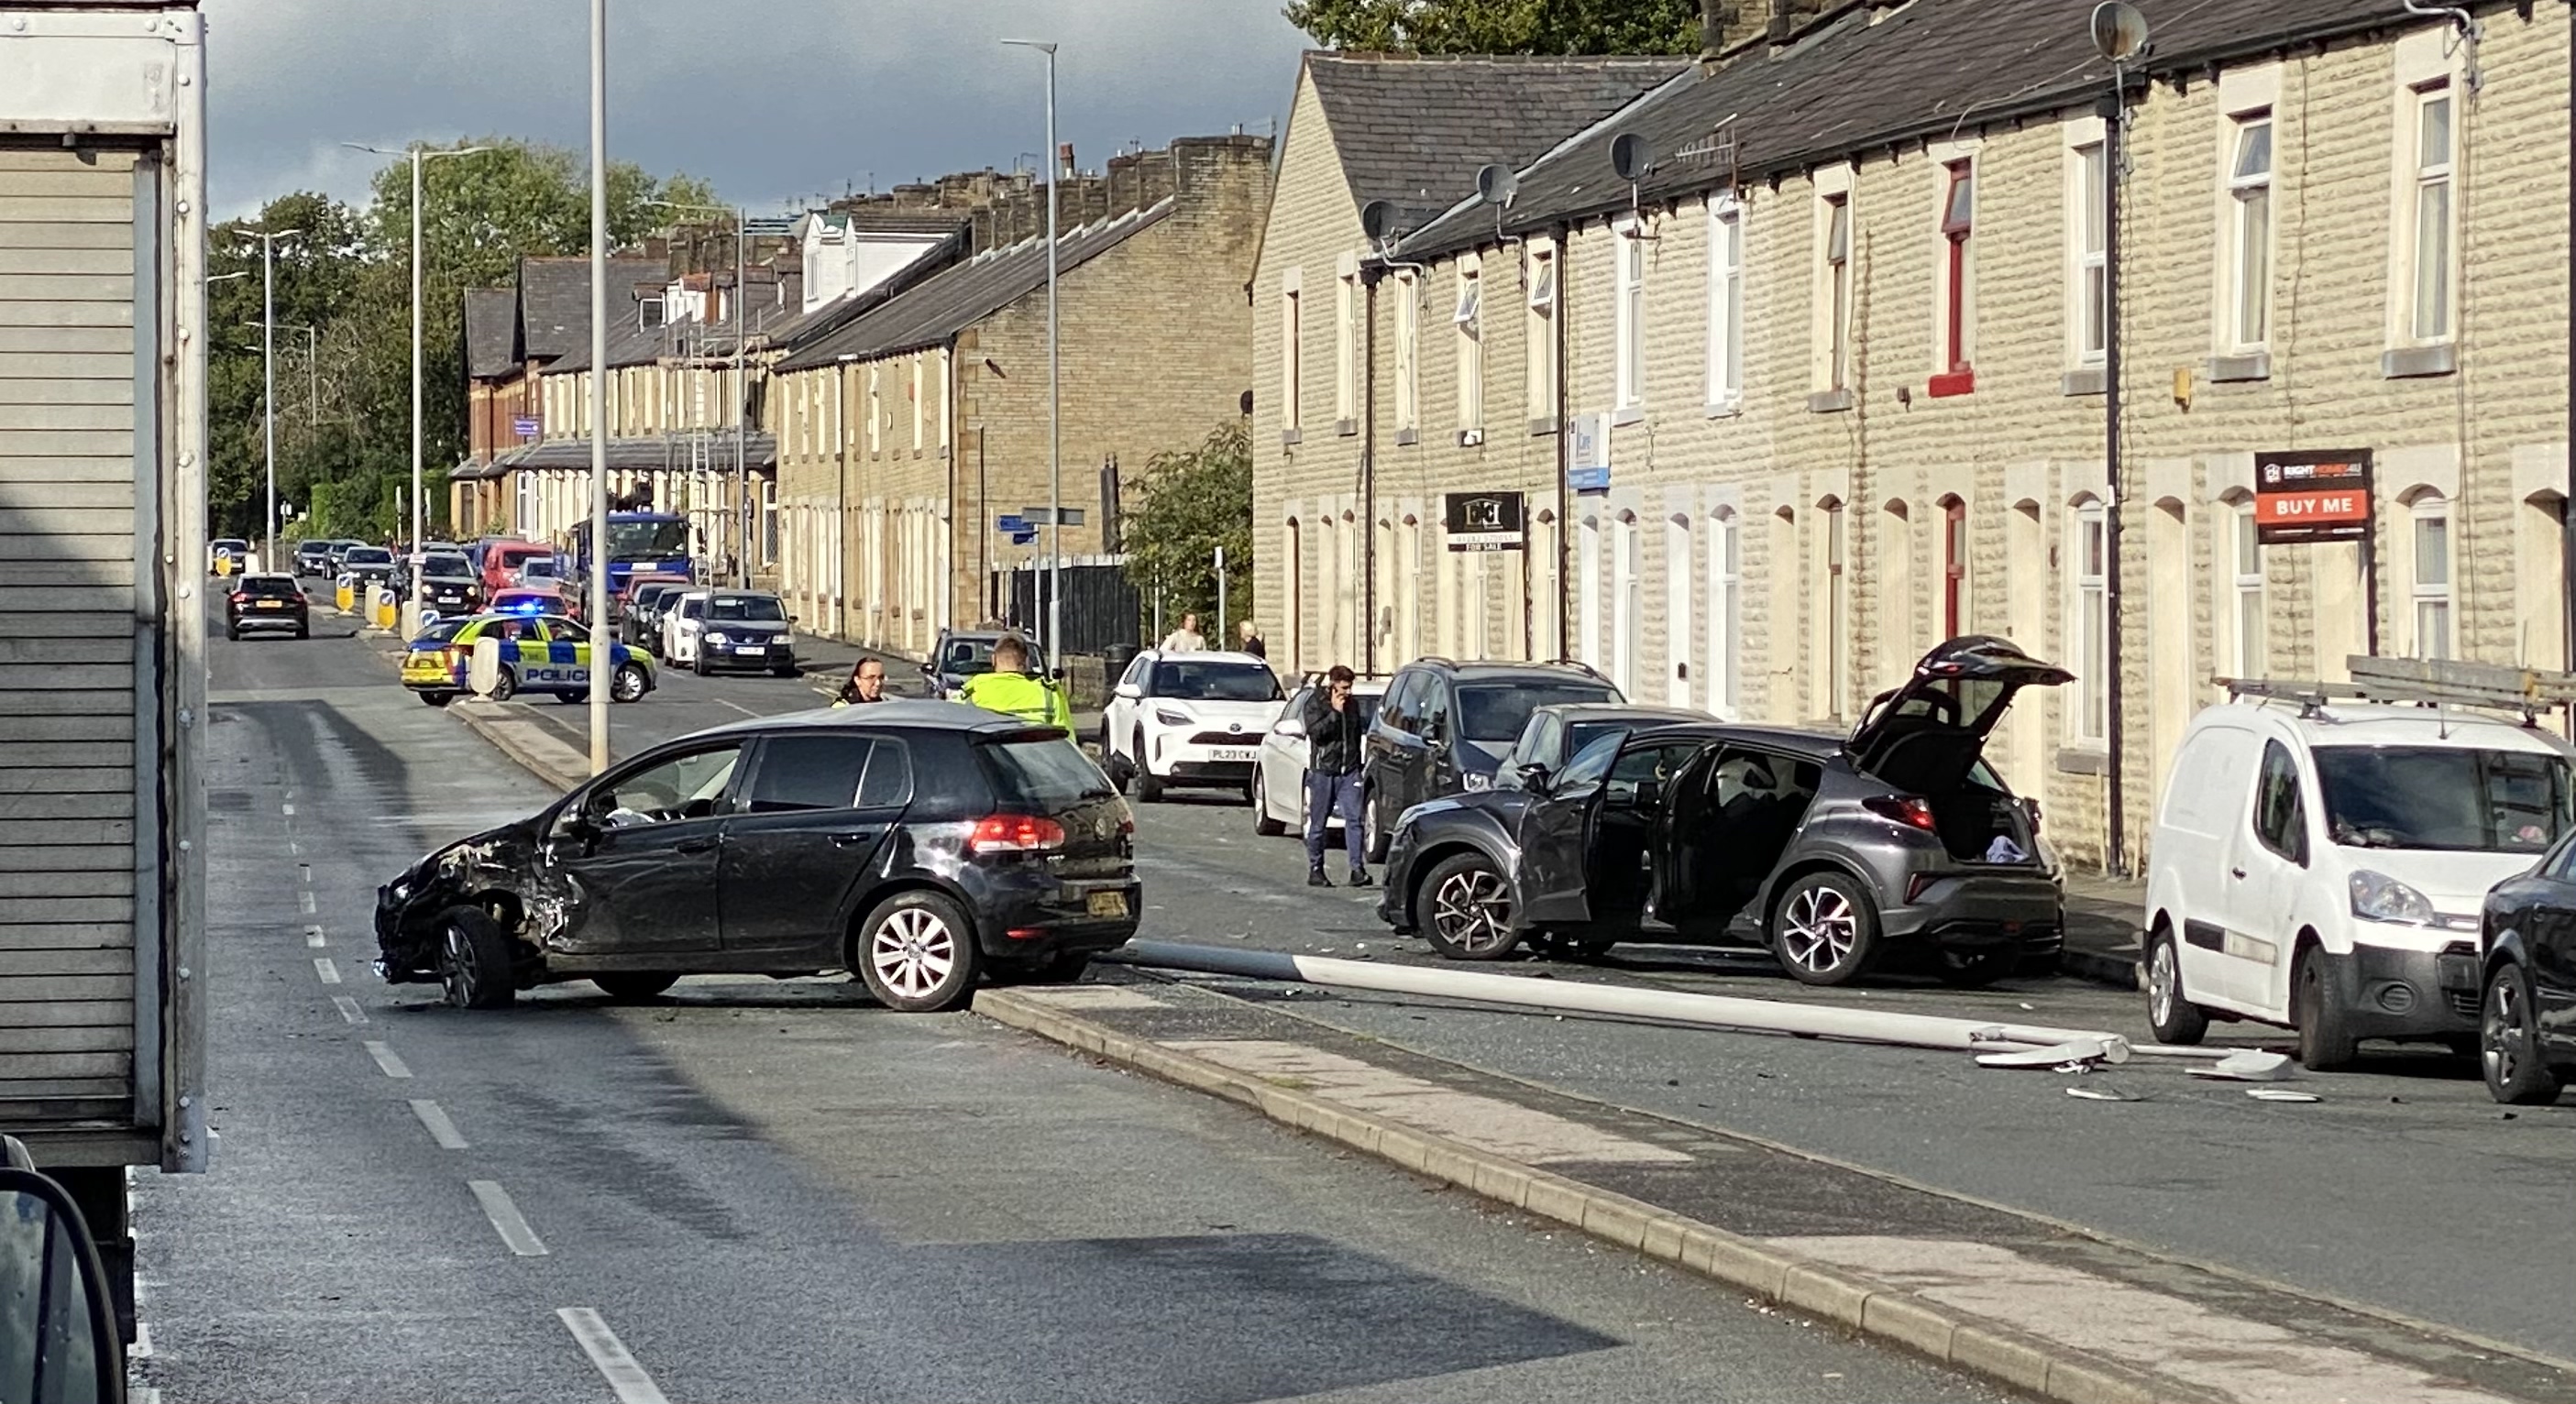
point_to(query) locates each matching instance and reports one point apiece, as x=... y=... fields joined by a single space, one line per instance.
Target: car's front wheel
x=1464 y=909
x=474 y=961
x=2170 y=1013
x=505 y=685
x=437 y=699
x=917 y=953
x=2517 y=1072
x=1825 y=930
x=1262 y=823
x=2326 y=1040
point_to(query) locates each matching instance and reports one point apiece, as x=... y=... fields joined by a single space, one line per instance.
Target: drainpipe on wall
x=2114 y=854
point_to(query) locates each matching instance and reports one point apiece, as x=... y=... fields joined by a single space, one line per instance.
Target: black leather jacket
x=1332 y=738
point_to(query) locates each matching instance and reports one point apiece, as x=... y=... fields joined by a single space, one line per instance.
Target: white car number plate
x=1236 y=753
x=752 y=648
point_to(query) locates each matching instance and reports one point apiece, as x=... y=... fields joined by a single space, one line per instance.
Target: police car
x=539 y=653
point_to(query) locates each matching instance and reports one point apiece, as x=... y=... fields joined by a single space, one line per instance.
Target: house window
x=919 y=366
x=876 y=409
x=1541 y=340
x=942 y=402
x=1725 y=613
x=1346 y=321
x=2092 y=290
x=2432 y=527
x=2092 y=622
x=1292 y=350
x=2249 y=187
x=1408 y=352
x=1958 y=209
x=2247 y=553
x=1630 y=315
x=1471 y=353
x=1954 y=568
x=1725 y=305
x=2431 y=320
x=768 y=520
x=1838 y=291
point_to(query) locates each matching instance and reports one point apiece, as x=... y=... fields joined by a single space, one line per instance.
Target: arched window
x=2429 y=534
x=1954 y=567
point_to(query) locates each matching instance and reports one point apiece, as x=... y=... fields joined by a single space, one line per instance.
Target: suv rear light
x=1015 y=833
x=1913 y=811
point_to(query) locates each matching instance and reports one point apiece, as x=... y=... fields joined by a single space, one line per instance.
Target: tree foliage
x=1502 y=26
x=344 y=395
x=1195 y=501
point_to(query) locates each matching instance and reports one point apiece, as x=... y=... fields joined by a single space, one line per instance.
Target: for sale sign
x=2304 y=495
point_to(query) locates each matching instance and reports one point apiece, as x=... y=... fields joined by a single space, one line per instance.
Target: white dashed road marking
x=434 y=1118
x=314 y=938
x=288 y=809
x=307 y=902
x=387 y=1059
x=349 y=1009
x=326 y=970
x=625 y=1377
x=746 y=711
x=504 y=1215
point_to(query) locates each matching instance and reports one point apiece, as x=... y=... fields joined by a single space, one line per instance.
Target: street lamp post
x=1055 y=377
x=268 y=377
x=420 y=156
x=602 y=654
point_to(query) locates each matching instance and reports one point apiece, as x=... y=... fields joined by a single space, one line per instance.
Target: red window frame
x=1958 y=203
x=1954 y=565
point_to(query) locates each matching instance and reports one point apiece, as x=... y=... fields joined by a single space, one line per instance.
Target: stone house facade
x=906 y=434
x=1823 y=403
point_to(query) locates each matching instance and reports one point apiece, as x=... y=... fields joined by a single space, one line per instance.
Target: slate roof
x=629 y=344
x=1847 y=86
x=959 y=297
x=1414 y=131
x=869 y=220
x=554 y=299
x=491 y=332
x=636 y=455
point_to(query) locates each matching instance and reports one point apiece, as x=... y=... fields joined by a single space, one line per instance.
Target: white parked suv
x=682 y=622
x=1193 y=718
x=2321 y=865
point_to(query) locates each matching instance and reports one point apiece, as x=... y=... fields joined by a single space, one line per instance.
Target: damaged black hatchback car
x=919 y=844
x=1834 y=851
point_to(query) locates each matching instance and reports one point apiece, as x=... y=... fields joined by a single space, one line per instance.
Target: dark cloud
x=774 y=102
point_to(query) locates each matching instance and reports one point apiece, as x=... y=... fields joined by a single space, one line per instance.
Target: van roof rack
x=2436 y=682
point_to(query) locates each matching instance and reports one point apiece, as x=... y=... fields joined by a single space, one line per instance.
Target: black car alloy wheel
x=1464 y=909
x=474 y=965
x=2509 y=1042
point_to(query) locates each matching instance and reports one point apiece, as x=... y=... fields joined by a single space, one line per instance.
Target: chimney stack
x=1064 y=161
x=1712 y=29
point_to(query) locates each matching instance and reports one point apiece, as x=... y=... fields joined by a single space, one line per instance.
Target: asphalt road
x=2405 y=1190
x=775 y=1190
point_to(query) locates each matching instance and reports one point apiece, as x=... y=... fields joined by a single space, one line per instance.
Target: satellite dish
x=1496 y=185
x=2119 y=31
x=1377 y=220
x=1630 y=157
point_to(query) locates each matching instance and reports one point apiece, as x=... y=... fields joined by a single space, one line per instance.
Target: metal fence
x=1102 y=611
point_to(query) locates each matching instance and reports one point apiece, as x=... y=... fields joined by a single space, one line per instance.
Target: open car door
x=1683 y=836
x=1924 y=737
x=1555 y=835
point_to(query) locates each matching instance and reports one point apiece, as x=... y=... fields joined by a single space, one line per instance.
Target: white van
x=2321 y=865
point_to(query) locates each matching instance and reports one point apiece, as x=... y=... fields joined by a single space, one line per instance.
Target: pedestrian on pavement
x=1253 y=642
x=1010 y=690
x=866 y=683
x=1333 y=776
x=1185 y=639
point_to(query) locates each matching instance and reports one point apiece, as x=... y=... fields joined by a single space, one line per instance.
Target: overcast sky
x=772 y=101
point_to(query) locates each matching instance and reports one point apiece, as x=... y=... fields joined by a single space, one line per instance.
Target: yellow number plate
x=1109 y=904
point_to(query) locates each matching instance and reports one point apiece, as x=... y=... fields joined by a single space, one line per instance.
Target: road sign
x=1038 y=516
x=1012 y=523
x=526 y=426
x=1024 y=538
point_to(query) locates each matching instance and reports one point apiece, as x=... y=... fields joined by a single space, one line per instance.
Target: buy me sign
x=2312 y=495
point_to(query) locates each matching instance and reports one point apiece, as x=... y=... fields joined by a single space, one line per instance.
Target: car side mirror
x=930 y=670
x=1435 y=731
x=1290 y=726
x=1131 y=691
x=54 y=1299
x=1534 y=776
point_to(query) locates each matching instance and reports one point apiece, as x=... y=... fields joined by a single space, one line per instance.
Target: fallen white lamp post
x=2009 y=1045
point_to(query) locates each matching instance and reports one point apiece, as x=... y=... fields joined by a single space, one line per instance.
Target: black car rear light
x=1913 y=811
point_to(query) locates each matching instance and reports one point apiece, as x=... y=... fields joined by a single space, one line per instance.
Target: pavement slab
x=2039 y=1305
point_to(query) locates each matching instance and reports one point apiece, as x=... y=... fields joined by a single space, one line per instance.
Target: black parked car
x=746 y=629
x=959 y=654
x=261 y=603
x=1831 y=851
x=449 y=584
x=313 y=558
x=921 y=844
x=1444 y=726
x=2527 y=1019
x=640 y=623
